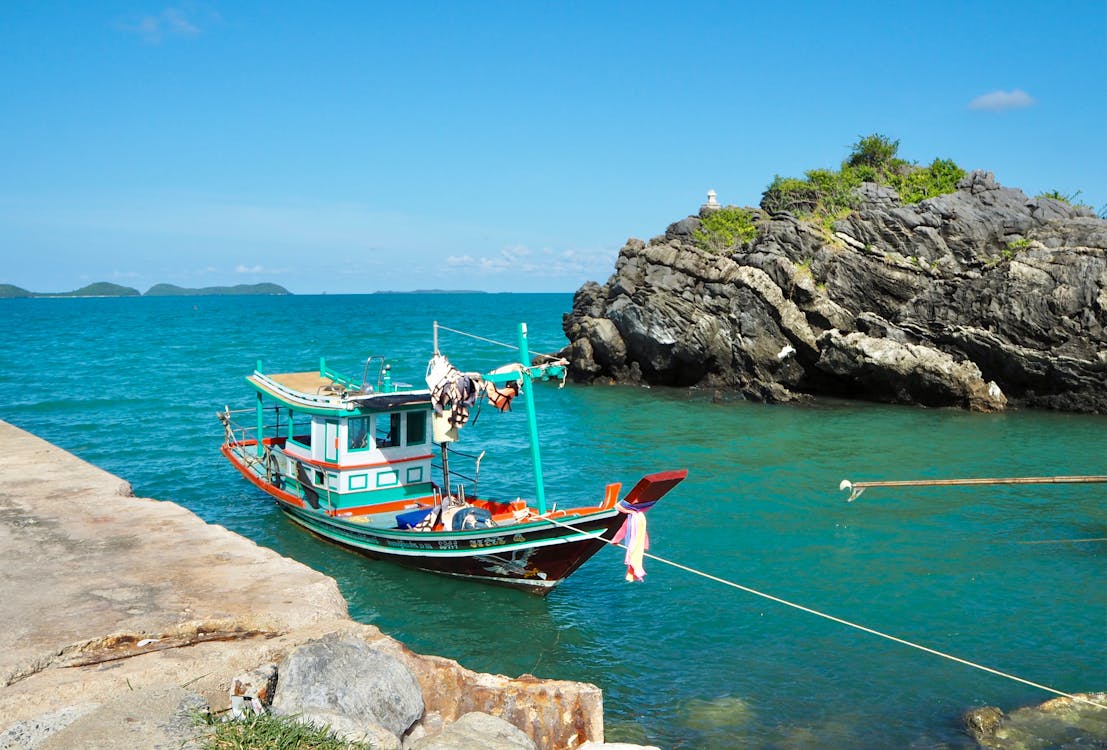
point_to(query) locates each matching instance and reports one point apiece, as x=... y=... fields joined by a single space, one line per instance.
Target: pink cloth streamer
x=637 y=542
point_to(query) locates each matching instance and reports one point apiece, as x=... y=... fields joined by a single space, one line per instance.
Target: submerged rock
x=974 y=299
x=1058 y=724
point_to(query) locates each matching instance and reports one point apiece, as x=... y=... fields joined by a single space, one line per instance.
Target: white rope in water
x=1065 y=541
x=847 y=623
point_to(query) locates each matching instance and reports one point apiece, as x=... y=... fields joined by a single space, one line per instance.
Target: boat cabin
x=346 y=446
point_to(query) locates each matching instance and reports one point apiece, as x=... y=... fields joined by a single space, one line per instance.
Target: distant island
x=171 y=290
x=105 y=289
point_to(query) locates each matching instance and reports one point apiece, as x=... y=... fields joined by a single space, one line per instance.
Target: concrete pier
x=117 y=613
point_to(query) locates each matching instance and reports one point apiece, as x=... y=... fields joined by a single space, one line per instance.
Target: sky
x=351 y=147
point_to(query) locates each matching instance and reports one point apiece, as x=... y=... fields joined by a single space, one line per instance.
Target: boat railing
x=365 y=384
x=338 y=379
x=238 y=433
x=458 y=479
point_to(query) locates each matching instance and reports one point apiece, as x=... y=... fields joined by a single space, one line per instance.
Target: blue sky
x=515 y=146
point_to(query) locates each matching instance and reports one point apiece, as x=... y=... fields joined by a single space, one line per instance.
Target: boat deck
x=304 y=382
x=389 y=519
x=386 y=520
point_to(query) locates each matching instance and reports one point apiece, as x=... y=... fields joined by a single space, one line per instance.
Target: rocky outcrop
x=979 y=298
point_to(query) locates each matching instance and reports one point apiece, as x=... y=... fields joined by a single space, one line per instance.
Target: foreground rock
x=1058 y=724
x=346 y=684
x=477 y=730
x=122 y=615
x=974 y=299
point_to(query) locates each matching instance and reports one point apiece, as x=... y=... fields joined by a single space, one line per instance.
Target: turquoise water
x=132 y=386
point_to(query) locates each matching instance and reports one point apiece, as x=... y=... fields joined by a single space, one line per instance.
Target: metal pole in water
x=856 y=488
x=532 y=420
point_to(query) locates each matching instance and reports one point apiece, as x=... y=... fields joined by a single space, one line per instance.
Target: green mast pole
x=261 y=420
x=532 y=419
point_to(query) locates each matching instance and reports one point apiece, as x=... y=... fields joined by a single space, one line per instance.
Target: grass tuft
x=268 y=732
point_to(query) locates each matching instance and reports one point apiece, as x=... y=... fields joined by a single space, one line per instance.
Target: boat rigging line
x=492 y=341
x=847 y=623
x=856 y=488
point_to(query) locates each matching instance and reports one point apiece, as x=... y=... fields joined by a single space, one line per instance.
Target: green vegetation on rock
x=723 y=229
x=1071 y=199
x=874 y=151
x=824 y=193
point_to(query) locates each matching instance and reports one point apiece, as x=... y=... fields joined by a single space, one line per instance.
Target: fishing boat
x=368 y=465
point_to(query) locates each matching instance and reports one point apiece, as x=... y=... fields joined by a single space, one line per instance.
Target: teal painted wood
x=532 y=420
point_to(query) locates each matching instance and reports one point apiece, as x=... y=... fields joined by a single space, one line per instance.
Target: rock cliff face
x=979 y=299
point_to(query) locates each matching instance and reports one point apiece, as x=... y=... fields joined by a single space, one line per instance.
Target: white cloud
x=997 y=101
x=152 y=28
x=515 y=252
x=242 y=268
x=176 y=22
x=522 y=261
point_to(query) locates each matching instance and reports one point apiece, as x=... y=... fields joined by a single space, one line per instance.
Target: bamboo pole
x=856 y=488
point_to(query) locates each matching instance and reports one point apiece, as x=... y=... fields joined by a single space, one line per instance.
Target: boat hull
x=534 y=553
x=534 y=557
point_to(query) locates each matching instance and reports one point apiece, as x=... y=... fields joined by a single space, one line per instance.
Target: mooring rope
x=840 y=621
x=1065 y=541
x=492 y=341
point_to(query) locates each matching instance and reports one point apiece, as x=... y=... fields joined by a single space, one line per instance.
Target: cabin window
x=357 y=433
x=416 y=427
x=388 y=430
x=299 y=429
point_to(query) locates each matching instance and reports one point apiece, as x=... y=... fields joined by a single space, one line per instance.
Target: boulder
x=905 y=373
x=476 y=731
x=344 y=676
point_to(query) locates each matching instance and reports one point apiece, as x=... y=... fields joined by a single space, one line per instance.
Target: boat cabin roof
x=304 y=382
x=318 y=393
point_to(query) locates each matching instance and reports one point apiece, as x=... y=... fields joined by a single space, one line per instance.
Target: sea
x=708 y=651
